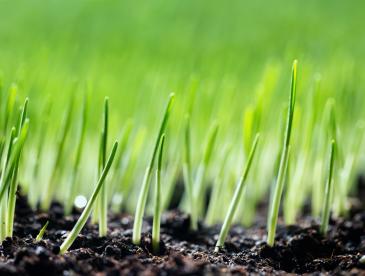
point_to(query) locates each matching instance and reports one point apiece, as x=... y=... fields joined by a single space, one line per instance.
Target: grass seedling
x=41 y=232
x=4 y=201
x=16 y=150
x=328 y=191
x=275 y=204
x=14 y=181
x=188 y=182
x=103 y=202
x=157 y=211
x=88 y=208
x=76 y=164
x=49 y=189
x=236 y=198
x=142 y=199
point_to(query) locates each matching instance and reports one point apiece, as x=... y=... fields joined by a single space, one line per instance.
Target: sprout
x=41 y=232
x=328 y=191
x=157 y=211
x=14 y=181
x=103 y=204
x=236 y=197
x=274 y=207
x=86 y=212
x=142 y=199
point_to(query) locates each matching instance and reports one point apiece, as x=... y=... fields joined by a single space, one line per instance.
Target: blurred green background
x=137 y=52
x=135 y=49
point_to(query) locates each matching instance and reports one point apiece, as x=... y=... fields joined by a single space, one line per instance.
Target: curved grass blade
x=236 y=197
x=142 y=199
x=86 y=212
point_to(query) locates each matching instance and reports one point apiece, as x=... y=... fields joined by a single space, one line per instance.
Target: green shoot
x=49 y=189
x=236 y=198
x=142 y=199
x=15 y=154
x=157 y=211
x=88 y=208
x=188 y=177
x=328 y=191
x=275 y=204
x=14 y=181
x=103 y=203
x=41 y=232
x=76 y=164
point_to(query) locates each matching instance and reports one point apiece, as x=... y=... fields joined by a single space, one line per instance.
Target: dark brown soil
x=300 y=249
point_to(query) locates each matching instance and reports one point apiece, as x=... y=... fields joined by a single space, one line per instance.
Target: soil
x=299 y=249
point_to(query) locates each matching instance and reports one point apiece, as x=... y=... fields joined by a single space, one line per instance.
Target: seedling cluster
x=277 y=165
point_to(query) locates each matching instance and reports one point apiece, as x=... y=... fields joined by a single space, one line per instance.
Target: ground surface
x=300 y=249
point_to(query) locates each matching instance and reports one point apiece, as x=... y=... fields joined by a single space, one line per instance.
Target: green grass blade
x=142 y=199
x=14 y=181
x=275 y=204
x=15 y=153
x=328 y=191
x=86 y=212
x=236 y=197
x=103 y=204
x=157 y=209
x=42 y=231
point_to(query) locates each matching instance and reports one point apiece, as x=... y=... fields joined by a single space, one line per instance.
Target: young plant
x=88 y=208
x=6 y=179
x=41 y=232
x=50 y=186
x=188 y=177
x=157 y=211
x=236 y=198
x=142 y=199
x=16 y=150
x=103 y=202
x=14 y=180
x=328 y=191
x=4 y=201
x=76 y=165
x=275 y=204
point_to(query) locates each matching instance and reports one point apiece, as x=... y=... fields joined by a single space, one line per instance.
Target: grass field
x=228 y=64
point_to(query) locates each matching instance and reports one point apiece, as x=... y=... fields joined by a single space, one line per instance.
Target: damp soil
x=299 y=249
